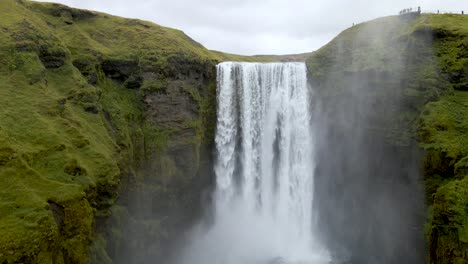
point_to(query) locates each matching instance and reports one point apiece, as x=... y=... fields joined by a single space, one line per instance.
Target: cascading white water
x=264 y=169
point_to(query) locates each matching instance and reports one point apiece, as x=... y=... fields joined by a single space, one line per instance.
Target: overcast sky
x=261 y=26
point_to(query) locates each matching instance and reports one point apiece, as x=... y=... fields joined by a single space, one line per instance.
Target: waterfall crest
x=263 y=202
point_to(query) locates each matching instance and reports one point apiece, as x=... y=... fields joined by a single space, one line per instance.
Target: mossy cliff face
x=367 y=88
x=443 y=132
x=394 y=84
x=95 y=108
x=174 y=165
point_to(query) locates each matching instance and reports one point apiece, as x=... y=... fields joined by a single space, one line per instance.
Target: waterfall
x=264 y=168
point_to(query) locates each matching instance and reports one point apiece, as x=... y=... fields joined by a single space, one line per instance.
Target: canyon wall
x=107 y=125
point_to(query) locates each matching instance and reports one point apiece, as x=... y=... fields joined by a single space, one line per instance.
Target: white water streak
x=264 y=168
x=265 y=158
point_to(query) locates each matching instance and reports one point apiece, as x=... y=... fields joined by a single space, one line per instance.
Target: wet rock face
x=176 y=110
x=171 y=108
x=183 y=68
x=178 y=101
x=176 y=166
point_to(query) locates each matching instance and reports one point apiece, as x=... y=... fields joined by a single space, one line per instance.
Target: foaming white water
x=264 y=168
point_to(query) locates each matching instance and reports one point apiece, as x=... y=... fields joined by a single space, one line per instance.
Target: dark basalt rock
x=461 y=87
x=58 y=212
x=93 y=109
x=170 y=109
x=181 y=67
x=120 y=69
x=87 y=68
x=52 y=57
x=134 y=82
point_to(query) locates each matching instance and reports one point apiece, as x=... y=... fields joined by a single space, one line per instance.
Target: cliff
x=391 y=88
x=106 y=126
x=95 y=108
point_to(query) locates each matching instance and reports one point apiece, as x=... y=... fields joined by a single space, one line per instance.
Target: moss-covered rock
x=73 y=126
x=412 y=74
x=449 y=224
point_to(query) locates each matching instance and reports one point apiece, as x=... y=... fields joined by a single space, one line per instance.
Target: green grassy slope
x=55 y=153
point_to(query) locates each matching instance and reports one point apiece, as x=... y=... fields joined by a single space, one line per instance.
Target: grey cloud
x=261 y=26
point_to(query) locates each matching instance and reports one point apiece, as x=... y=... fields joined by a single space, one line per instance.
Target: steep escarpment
x=370 y=197
x=443 y=131
x=390 y=88
x=100 y=116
